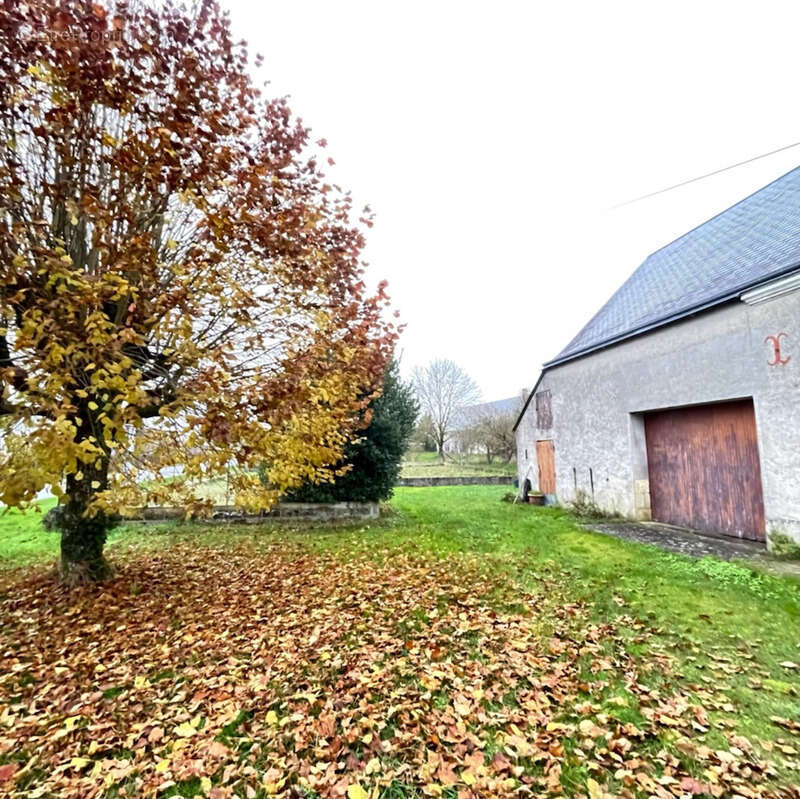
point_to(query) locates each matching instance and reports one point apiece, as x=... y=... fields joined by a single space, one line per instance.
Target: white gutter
x=770 y=291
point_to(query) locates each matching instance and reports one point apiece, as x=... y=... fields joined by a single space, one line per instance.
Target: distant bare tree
x=443 y=389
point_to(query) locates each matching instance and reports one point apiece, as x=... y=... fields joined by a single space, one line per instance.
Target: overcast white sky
x=492 y=139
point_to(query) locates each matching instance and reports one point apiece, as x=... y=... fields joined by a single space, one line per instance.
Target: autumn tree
x=180 y=287
x=444 y=389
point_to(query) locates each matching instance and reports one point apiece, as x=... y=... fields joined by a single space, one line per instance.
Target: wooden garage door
x=704 y=468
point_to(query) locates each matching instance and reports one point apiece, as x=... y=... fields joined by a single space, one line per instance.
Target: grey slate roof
x=466 y=416
x=753 y=241
x=510 y=405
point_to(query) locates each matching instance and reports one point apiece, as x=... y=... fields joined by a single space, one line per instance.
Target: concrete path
x=698 y=545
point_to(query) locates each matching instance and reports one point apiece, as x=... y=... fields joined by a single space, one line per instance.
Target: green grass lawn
x=22 y=539
x=429 y=464
x=458 y=647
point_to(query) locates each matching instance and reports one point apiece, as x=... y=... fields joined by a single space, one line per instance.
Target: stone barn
x=679 y=401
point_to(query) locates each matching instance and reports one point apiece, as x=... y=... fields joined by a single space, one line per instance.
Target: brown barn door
x=545 y=457
x=704 y=468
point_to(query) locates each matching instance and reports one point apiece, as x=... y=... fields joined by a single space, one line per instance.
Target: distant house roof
x=755 y=240
x=467 y=415
x=509 y=405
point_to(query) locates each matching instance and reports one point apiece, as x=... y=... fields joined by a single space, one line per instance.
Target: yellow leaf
x=66 y=259
x=139 y=682
x=93 y=405
x=205 y=785
x=468 y=778
x=554 y=726
x=595 y=791
x=71 y=722
x=185 y=730
x=172 y=244
x=272 y=717
x=355 y=791
x=162 y=766
x=79 y=762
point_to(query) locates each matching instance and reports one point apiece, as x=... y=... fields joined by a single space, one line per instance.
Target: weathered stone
x=312 y=511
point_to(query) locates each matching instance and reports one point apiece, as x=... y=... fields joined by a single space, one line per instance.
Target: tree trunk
x=82 y=536
x=82 y=558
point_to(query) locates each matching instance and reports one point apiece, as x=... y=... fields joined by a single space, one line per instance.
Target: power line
x=708 y=175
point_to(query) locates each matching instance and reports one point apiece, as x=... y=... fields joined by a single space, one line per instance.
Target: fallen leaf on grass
x=693 y=786
x=789 y=724
x=8 y=771
x=595 y=791
x=185 y=730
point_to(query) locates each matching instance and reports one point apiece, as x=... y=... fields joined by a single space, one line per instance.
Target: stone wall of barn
x=597 y=403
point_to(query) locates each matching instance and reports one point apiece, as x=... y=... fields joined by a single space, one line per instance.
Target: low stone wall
x=325 y=510
x=494 y=480
x=310 y=511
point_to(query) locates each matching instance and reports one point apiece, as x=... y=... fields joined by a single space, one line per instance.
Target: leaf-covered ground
x=394 y=662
